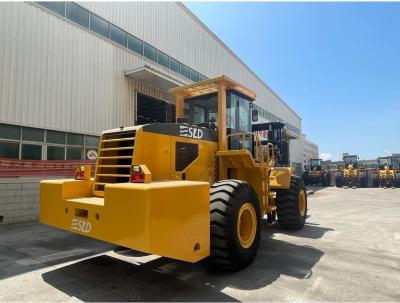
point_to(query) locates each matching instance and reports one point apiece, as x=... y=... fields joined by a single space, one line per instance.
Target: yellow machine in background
x=351 y=175
x=386 y=175
x=188 y=190
x=316 y=174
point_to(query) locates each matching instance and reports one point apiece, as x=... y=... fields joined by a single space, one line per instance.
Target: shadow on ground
x=106 y=278
x=316 y=188
x=310 y=231
x=32 y=246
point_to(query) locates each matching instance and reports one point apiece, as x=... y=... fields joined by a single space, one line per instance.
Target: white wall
x=57 y=75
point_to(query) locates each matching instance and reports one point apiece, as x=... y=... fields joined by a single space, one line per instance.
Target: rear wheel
x=329 y=178
x=304 y=176
x=362 y=180
x=398 y=180
x=324 y=180
x=235 y=224
x=339 y=180
x=375 y=180
x=292 y=205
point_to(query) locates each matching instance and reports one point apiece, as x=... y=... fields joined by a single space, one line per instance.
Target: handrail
x=263 y=154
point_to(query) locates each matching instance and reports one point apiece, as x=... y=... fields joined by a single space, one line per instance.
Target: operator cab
x=203 y=111
x=316 y=163
x=351 y=160
x=385 y=162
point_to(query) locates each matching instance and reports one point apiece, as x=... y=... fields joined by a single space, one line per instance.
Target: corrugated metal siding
x=167 y=26
x=55 y=74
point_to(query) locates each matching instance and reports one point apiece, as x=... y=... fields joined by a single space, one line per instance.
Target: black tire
x=339 y=180
x=324 y=180
x=391 y=182
x=287 y=202
x=362 y=180
x=375 y=180
x=346 y=181
x=304 y=176
x=227 y=197
x=397 y=180
x=329 y=178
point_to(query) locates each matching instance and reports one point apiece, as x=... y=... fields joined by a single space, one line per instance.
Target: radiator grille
x=114 y=160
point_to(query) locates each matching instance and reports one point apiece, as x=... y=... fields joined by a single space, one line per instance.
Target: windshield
x=315 y=162
x=384 y=161
x=203 y=110
x=350 y=160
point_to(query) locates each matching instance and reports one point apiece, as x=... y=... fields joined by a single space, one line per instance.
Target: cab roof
x=211 y=86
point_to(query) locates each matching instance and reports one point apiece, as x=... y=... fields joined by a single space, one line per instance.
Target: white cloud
x=326 y=156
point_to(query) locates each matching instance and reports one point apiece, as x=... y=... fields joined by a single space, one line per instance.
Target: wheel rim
x=302 y=202
x=246 y=225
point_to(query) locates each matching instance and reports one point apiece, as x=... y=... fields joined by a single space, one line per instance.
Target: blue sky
x=336 y=64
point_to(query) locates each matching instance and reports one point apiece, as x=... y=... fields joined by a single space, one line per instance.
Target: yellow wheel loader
x=385 y=176
x=316 y=174
x=189 y=190
x=351 y=175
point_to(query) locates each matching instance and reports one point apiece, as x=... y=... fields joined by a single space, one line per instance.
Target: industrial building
x=310 y=150
x=70 y=70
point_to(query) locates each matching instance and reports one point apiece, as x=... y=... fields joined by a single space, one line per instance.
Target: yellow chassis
x=169 y=218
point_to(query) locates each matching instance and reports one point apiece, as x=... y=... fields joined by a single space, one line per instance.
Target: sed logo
x=190 y=132
x=81 y=225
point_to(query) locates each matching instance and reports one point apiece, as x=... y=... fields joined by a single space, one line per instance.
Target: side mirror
x=254 y=115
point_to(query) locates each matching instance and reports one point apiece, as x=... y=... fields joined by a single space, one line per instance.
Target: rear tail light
x=137 y=175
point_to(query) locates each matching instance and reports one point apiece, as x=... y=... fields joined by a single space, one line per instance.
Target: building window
x=34 y=141
x=74 y=139
x=31 y=152
x=57 y=7
x=78 y=14
x=136 y=45
x=55 y=137
x=99 y=25
x=92 y=141
x=202 y=78
x=9 y=150
x=194 y=76
x=150 y=52
x=32 y=134
x=74 y=153
x=104 y=28
x=55 y=153
x=174 y=65
x=118 y=35
x=12 y=132
x=185 y=71
x=162 y=59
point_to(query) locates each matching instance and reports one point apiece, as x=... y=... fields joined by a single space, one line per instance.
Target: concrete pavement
x=348 y=251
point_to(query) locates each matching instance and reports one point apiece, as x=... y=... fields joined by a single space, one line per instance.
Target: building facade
x=70 y=70
x=310 y=151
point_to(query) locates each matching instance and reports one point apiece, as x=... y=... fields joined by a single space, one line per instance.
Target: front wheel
x=363 y=180
x=305 y=178
x=235 y=224
x=339 y=180
x=375 y=180
x=324 y=180
x=398 y=180
x=292 y=205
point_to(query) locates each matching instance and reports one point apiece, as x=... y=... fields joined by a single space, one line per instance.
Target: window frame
x=90 y=25
x=68 y=4
x=153 y=58
x=111 y=27
x=150 y=47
